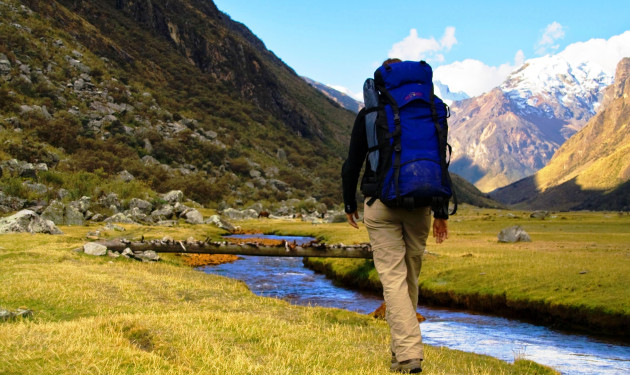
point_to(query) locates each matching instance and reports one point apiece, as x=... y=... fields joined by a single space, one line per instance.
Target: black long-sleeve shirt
x=351 y=171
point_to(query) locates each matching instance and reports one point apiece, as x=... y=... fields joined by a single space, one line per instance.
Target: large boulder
x=62 y=214
x=27 y=221
x=193 y=216
x=514 y=234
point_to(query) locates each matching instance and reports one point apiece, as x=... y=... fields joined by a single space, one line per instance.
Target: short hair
x=391 y=61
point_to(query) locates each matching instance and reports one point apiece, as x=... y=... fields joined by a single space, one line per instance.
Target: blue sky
x=340 y=43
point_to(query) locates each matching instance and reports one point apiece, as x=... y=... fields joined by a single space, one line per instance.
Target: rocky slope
x=174 y=92
x=514 y=130
x=592 y=169
x=336 y=96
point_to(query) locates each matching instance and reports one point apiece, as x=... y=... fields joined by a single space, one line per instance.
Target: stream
x=506 y=339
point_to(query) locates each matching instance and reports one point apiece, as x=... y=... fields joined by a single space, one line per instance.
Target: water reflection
x=506 y=339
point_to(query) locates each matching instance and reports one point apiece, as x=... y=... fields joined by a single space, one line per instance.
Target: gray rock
x=119 y=218
x=10 y=204
x=27 y=170
x=254 y=173
x=110 y=200
x=148 y=255
x=37 y=188
x=96 y=249
x=514 y=234
x=61 y=214
x=127 y=253
x=173 y=196
x=114 y=227
x=125 y=176
x=54 y=212
x=137 y=216
x=150 y=160
x=223 y=224
x=278 y=185
x=233 y=214
x=144 y=206
x=164 y=212
x=257 y=207
x=29 y=222
x=193 y=217
x=180 y=208
x=5 y=64
x=83 y=204
x=539 y=214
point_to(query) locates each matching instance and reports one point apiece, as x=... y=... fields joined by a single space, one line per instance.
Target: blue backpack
x=407 y=134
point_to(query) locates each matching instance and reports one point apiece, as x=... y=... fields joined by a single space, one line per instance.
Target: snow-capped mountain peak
x=555 y=87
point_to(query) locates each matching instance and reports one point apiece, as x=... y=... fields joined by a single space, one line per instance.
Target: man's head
x=391 y=61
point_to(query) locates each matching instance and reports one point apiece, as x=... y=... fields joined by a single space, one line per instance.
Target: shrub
x=239 y=166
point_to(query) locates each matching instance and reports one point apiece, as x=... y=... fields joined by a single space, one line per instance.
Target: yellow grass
x=99 y=315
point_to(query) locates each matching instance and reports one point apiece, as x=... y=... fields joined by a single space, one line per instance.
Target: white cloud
x=473 y=76
x=413 y=47
x=553 y=32
x=606 y=53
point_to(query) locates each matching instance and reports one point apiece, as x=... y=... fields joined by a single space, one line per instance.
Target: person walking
x=398 y=238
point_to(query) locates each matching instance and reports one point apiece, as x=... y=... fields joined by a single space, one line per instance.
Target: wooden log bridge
x=283 y=249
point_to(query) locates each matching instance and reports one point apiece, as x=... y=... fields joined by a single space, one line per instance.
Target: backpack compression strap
x=443 y=145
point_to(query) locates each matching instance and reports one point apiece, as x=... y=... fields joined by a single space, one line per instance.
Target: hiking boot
x=410 y=366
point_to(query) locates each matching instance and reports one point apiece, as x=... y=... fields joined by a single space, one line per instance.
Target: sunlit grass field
x=575 y=272
x=100 y=315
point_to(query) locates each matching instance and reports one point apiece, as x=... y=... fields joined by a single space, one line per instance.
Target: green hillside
x=95 y=86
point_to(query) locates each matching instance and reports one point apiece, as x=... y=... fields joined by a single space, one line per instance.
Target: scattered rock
x=514 y=234
x=93 y=248
x=19 y=313
x=216 y=220
x=126 y=176
x=193 y=217
x=539 y=215
x=27 y=221
x=174 y=196
x=142 y=205
x=62 y=214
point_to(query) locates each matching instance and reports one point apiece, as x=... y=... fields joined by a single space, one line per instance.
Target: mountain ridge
x=514 y=130
x=592 y=169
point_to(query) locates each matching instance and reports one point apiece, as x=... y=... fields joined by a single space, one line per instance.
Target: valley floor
x=110 y=316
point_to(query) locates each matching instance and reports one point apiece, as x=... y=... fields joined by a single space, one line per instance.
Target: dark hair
x=391 y=61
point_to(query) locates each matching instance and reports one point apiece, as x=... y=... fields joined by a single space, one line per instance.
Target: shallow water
x=506 y=339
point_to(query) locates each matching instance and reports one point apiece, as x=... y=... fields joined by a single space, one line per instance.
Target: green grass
x=575 y=272
x=99 y=315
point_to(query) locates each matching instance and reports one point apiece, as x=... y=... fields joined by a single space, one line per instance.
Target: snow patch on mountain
x=552 y=86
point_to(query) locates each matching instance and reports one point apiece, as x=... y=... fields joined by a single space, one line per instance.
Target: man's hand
x=351 y=217
x=440 y=230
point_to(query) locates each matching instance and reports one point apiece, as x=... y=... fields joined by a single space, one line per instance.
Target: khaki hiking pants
x=398 y=237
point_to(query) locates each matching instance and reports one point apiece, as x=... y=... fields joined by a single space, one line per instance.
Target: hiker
x=398 y=235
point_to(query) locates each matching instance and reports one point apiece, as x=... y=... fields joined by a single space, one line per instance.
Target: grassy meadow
x=574 y=273
x=102 y=315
